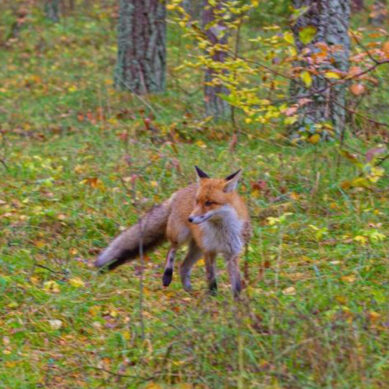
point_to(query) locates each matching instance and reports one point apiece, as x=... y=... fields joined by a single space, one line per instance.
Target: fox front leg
x=168 y=273
x=194 y=254
x=234 y=274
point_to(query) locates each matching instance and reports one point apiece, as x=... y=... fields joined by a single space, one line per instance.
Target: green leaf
x=307 y=34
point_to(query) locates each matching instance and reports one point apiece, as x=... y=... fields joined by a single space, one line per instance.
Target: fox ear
x=200 y=173
x=232 y=181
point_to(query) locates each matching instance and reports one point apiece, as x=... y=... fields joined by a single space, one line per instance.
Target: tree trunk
x=357 y=5
x=216 y=34
x=141 y=62
x=52 y=10
x=379 y=12
x=324 y=111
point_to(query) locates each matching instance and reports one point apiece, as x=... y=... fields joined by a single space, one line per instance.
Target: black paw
x=213 y=287
x=167 y=277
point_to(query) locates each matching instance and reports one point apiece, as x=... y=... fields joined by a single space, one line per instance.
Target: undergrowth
x=78 y=164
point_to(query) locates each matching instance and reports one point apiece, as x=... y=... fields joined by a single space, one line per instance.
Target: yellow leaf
x=288 y=36
x=360 y=239
x=376 y=173
x=77 y=282
x=290 y=120
x=201 y=144
x=332 y=75
x=360 y=182
x=306 y=78
x=314 y=139
x=51 y=286
x=341 y=299
x=126 y=334
x=272 y=220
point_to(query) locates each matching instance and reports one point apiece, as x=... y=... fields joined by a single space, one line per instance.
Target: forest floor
x=78 y=164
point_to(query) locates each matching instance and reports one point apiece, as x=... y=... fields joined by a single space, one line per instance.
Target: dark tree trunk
x=217 y=34
x=357 y=5
x=379 y=12
x=325 y=108
x=52 y=10
x=141 y=62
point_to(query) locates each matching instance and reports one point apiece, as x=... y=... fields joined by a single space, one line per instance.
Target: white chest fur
x=223 y=233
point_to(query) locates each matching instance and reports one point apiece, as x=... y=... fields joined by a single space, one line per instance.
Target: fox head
x=215 y=197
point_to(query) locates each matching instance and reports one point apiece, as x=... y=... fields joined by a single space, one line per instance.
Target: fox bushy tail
x=150 y=231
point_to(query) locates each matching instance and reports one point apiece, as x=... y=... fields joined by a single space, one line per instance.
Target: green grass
x=314 y=312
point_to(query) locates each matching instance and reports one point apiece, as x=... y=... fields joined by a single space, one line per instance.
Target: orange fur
x=209 y=216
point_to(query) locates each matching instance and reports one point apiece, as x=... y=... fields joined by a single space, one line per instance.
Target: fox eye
x=208 y=203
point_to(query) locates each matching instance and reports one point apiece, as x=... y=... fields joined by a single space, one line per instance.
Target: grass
x=79 y=165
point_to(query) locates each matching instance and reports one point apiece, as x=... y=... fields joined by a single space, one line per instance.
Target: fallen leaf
x=77 y=282
x=341 y=299
x=291 y=291
x=51 y=286
x=373 y=316
x=314 y=139
x=55 y=324
x=350 y=279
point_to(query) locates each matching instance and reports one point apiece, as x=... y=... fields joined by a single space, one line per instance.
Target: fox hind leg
x=168 y=273
x=193 y=255
x=210 y=267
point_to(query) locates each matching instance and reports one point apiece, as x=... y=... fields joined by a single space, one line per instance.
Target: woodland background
x=87 y=144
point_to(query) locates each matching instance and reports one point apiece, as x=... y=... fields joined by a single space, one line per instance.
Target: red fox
x=209 y=216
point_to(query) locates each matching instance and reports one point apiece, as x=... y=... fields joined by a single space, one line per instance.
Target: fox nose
x=190 y=219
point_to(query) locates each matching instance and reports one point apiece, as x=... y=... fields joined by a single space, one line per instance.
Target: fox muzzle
x=198 y=219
